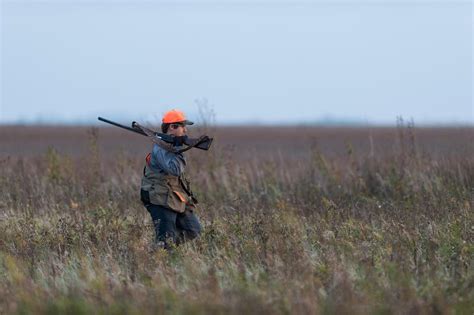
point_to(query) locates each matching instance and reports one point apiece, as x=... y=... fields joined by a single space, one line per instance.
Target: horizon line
x=316 y=123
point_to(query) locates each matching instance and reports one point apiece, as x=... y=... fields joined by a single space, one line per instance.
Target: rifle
x=203 y=142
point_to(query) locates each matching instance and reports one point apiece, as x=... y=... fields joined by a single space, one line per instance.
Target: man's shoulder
x=163 y=147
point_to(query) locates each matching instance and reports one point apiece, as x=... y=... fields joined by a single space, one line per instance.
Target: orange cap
x=175 y=116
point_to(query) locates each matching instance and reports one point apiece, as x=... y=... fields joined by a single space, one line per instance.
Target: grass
x=322 y=233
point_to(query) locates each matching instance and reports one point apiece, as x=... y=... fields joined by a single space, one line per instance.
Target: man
x=165 y=191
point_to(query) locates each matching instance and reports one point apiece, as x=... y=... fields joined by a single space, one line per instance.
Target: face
x=177 y=130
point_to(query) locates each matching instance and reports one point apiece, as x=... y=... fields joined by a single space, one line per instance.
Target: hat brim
x=184 y=122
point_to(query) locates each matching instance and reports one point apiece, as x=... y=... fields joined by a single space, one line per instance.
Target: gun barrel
x=121 y=126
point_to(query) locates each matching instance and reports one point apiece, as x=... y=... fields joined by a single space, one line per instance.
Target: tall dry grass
x=284 y=232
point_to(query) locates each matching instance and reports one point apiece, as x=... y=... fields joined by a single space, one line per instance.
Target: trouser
x=172 y=227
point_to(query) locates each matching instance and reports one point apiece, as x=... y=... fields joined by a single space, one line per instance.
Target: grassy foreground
x=347 y=234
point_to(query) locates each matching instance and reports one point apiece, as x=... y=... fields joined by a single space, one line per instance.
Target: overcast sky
x=270 y=62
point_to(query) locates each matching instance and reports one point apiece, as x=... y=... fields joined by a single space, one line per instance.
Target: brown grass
x=296 y=220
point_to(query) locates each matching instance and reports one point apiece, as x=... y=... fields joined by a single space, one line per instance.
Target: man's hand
x=179 y=141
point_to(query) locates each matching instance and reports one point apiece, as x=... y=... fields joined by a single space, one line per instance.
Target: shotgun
x=203 y=142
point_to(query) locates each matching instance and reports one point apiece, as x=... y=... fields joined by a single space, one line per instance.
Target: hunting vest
x=169 y=191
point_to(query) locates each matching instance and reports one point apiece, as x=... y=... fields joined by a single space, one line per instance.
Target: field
x=310 y=220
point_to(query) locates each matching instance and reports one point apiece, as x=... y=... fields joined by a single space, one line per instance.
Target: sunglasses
x=176 y=125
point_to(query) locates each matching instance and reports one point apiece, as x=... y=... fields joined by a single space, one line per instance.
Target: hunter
x=165 y=191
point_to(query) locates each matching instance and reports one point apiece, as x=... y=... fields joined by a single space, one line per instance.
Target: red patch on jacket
x=148 y=159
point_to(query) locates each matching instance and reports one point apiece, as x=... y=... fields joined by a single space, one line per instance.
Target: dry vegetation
x=337 y=221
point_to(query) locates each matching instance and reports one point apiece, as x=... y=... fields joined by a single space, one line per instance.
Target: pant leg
x=188 y=226
x=164 y=221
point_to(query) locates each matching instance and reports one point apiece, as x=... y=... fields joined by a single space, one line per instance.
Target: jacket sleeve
x=170 y=162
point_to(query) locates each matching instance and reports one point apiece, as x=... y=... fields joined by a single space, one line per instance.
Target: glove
x=179 y=141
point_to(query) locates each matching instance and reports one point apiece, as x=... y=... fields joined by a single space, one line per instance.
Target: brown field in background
x=243 y=141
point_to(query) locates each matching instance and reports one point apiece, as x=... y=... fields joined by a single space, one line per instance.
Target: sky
x=263 y=62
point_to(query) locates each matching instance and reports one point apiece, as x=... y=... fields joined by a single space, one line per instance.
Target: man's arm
x=170 y=162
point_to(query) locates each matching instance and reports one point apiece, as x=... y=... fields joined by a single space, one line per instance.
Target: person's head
x=174 y=123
